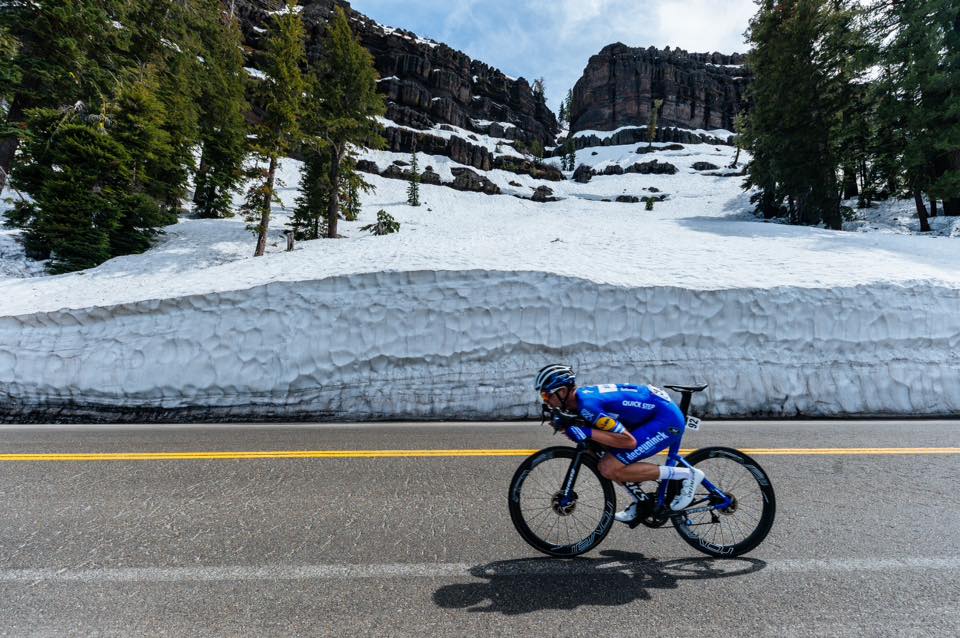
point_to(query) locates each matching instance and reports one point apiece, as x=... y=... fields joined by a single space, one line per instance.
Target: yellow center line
x=377 y=454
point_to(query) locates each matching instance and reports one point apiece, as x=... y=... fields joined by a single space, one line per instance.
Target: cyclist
x=634 y=421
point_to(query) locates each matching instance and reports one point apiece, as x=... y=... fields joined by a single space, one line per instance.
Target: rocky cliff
x=426 y=84
x=620 y=84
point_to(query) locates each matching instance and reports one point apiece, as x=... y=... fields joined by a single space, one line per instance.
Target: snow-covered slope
x=451 y=317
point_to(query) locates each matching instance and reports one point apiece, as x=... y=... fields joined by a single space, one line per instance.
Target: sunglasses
x=545 y=396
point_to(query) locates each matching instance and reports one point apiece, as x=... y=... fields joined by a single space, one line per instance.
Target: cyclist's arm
x=607 y=431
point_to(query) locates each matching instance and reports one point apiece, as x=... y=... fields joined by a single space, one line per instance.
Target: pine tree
x=791 y=133
x=919 y=120
x=67 y=52
x=345 y=115
x=413 y=190
x=137 y=117
x=537 y=150
x=738 y=125
x=385 y=225
x=223 y=109
x=539 y=88
x=354 y=184
x=654 y=118
x=309 y=219
x=945 y=90
x=570 y=109
x=9 y=74
x=167 y=36
x=82 y=211
x=281 y=99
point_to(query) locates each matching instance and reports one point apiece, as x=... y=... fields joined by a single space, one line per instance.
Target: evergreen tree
x=67 y=52
x=944 y=98
x=413 y=190
x=791 y=133
x=738 y=124
x=223 y=109
x=353 y=184
x=385 y=225
x=167 y=36
x=570 y=109
x=654 y=118
x=9 y=74
x=82 y=211
x=568 y=160
x=919 y=121
x=281 y=99
x=536 y=149
x=563 y=112
x=345 y=116
x=136 y=120
x=539 y=89
x=309 y=219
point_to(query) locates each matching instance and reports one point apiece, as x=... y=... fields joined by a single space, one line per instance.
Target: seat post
x=685 y=402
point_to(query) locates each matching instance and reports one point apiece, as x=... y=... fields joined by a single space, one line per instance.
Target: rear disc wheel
x=740 y=528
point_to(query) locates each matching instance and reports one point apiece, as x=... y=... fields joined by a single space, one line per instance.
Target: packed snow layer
x=464 y=345
x=451 y=317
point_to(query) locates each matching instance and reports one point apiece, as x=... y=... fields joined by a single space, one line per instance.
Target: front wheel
x=739 y=528
x=549 y=521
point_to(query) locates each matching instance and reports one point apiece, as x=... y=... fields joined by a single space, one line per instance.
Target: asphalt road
x=865 y=544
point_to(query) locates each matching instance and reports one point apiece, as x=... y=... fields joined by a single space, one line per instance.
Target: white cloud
x=704 y=25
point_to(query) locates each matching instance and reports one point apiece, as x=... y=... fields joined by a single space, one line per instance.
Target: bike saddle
x=686 y=388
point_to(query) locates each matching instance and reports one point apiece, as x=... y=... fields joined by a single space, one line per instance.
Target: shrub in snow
x=385 y=225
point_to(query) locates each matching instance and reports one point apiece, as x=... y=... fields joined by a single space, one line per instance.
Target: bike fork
x=567 y=493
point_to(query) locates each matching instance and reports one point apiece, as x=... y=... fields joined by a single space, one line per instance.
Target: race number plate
x=693 y=423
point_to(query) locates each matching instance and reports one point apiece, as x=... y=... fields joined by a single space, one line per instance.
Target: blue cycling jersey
x=622 y=404
x=645 y=411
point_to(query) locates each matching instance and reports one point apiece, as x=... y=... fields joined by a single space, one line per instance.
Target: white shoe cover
x=627 y=515
x=687 y=490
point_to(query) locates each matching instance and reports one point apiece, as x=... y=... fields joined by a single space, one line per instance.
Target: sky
x=554 y=39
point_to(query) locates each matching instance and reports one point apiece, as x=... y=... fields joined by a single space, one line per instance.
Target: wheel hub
x=561 y=508
x=732 y=507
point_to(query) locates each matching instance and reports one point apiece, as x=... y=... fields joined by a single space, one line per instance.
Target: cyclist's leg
x=658 y=434
x=613 y=468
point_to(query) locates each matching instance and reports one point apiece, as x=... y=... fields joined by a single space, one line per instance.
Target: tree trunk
x=265 y=211
x=933 y=205
x=199 y=180
x=736 y=158
x=850 y=188
x=863 y=201
x=921 y=211
x=8 y=145
x=333 y=208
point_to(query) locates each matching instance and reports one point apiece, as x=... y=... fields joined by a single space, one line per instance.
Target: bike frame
x=673 y=459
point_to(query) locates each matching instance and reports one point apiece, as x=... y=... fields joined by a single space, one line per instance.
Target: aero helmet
x=553 y=377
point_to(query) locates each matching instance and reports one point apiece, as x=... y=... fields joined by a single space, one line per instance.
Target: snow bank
x=14 y=262
x=451 y=317
x=464 y=344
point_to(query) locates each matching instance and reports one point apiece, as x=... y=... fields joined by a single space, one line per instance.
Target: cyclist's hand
x=559 y=421
x=577 y=434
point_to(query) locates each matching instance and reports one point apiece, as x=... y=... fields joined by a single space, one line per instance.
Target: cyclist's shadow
x=532 y=584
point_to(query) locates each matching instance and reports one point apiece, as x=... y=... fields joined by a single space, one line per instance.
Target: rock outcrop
x=426 y=84
x=620 y=84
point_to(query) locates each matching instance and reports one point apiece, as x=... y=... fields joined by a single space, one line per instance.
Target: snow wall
x=465 y=345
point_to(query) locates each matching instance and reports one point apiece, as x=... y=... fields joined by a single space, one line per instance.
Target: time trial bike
x=562 y=506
